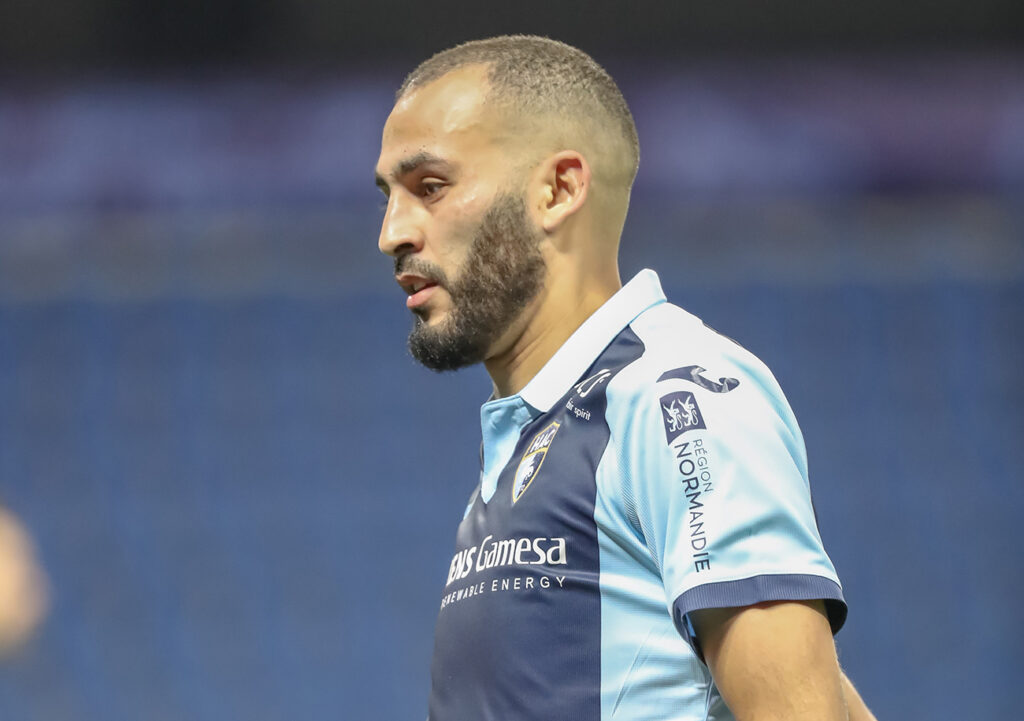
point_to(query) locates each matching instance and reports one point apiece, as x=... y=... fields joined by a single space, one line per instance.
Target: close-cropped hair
x=539 y=76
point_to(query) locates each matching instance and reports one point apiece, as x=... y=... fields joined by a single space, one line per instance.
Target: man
x=641 y=544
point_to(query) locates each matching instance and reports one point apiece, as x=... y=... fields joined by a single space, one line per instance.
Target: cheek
x=451 y=246
x=456 y=228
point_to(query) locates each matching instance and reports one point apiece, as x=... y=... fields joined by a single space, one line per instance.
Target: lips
x=421 y=296
x=419 y=288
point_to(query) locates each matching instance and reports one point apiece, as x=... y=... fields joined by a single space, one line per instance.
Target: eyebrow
x=408 y=165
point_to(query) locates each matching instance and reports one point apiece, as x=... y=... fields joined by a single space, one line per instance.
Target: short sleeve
x=716 y=477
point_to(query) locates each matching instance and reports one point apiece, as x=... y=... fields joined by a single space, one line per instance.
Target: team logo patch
x=680 y=413
x=532 y=460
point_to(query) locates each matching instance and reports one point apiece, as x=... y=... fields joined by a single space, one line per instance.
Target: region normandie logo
x=532 y=460
x=680 y=414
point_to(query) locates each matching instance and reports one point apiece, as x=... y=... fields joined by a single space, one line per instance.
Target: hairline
x=616 y=122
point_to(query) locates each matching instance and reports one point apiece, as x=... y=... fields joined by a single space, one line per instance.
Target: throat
x=531 y=342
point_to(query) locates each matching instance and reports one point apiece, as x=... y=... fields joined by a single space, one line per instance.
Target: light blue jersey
x=652 y=468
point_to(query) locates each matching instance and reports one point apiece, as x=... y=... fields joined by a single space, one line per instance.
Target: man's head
x=507 y=164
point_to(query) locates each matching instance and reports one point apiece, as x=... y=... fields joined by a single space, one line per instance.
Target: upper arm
x=773 y=660
x=854 y=703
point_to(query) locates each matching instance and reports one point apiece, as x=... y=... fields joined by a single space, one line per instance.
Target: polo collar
x=590 y=339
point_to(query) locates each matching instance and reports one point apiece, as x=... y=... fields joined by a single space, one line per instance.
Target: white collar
x=590 y=339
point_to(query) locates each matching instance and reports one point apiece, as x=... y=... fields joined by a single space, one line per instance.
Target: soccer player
x=641 y=544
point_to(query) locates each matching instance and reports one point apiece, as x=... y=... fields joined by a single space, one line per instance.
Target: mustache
x=416 y=266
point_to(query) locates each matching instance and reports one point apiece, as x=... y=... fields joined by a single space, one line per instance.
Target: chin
x=430 y=318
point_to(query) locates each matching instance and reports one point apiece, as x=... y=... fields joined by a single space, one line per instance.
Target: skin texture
x=858 y=709
x=449 y=160
x=773 y=660
x=777 y=661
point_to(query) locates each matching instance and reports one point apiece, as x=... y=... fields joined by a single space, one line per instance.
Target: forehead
x=445 y=118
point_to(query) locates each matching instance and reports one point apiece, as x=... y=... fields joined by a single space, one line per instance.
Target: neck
x=545 y=325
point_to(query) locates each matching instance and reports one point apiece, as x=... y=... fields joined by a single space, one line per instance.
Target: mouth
x=417 y=287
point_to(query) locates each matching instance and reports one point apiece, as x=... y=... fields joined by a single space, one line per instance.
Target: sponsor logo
x=532 y=460
x=698 y=487
x=584 y=387
x=582 y=413
x=680 y=413
x=693 y=375
x=492 y=553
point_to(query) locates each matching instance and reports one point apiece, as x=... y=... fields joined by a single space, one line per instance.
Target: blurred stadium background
x=244 y=492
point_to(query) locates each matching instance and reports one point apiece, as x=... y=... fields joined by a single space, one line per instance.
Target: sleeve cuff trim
x=758 y=589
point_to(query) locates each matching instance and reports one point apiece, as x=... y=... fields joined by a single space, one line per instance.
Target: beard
x=503 y=271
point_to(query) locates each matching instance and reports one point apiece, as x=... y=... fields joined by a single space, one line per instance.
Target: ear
x=565 y=185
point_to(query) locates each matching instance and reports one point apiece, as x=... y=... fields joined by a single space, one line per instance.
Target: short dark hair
x=539 y=75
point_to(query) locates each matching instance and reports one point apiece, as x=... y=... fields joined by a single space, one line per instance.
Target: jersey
x=652 y=468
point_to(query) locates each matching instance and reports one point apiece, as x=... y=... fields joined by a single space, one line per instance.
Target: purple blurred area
x=245 y=493
x=928 y=123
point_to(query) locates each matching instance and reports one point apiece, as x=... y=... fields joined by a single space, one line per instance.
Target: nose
x=401 y=231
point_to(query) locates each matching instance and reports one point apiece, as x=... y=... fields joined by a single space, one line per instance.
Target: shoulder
x=691 y=378
x=679 y=351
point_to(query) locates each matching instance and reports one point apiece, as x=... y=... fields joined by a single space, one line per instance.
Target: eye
x=430 y=188
x=386 y=193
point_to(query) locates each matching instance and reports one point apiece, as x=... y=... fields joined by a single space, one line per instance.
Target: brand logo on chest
x=533 y=459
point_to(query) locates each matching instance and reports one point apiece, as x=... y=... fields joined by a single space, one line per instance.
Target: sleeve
x=717 y=480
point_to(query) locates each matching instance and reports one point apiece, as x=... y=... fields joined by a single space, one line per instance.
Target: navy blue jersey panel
x=519 y=630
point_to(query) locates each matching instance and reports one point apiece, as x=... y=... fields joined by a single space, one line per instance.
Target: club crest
x=532 y=460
